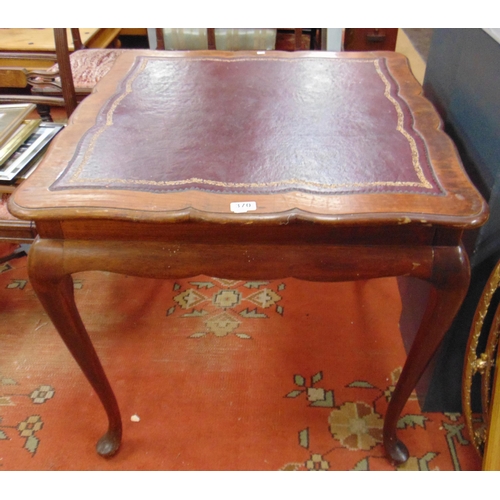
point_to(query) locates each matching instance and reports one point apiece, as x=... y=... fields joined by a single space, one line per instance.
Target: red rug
x=215 y=375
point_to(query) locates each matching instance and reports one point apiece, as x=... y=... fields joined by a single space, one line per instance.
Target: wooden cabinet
x=370 y=38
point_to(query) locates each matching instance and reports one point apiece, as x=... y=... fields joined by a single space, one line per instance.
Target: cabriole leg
x=54 y=289
x=450 y=277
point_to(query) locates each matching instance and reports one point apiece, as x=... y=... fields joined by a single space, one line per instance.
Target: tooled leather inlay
x=254 y=125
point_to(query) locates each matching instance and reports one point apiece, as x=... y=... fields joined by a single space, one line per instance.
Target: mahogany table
x=318 y=166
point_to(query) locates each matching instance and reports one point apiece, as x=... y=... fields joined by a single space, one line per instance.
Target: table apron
x=312 y=262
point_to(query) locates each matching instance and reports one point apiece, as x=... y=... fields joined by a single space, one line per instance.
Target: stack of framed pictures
x=22 y=142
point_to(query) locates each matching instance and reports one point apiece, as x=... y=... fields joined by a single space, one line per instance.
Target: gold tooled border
x=424 y=183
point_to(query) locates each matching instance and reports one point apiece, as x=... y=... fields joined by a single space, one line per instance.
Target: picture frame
x=11 y=116
x=23 y=157
x=22 y=133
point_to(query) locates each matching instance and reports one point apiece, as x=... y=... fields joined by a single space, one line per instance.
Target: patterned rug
x=212 y=374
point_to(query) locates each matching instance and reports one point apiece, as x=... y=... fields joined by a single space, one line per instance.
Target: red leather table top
x=254 y=125
x=311 y=130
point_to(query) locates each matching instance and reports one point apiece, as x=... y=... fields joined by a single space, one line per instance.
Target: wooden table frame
x=305 y=236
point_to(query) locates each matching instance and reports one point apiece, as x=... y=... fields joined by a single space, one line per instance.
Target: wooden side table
x=26 y=47
x=318 y=166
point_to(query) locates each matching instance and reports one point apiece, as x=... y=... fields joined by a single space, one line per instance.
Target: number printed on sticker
x=243 y=206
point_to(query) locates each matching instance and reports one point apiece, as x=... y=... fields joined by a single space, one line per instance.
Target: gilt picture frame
x=11 y=116
x=29 y=150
